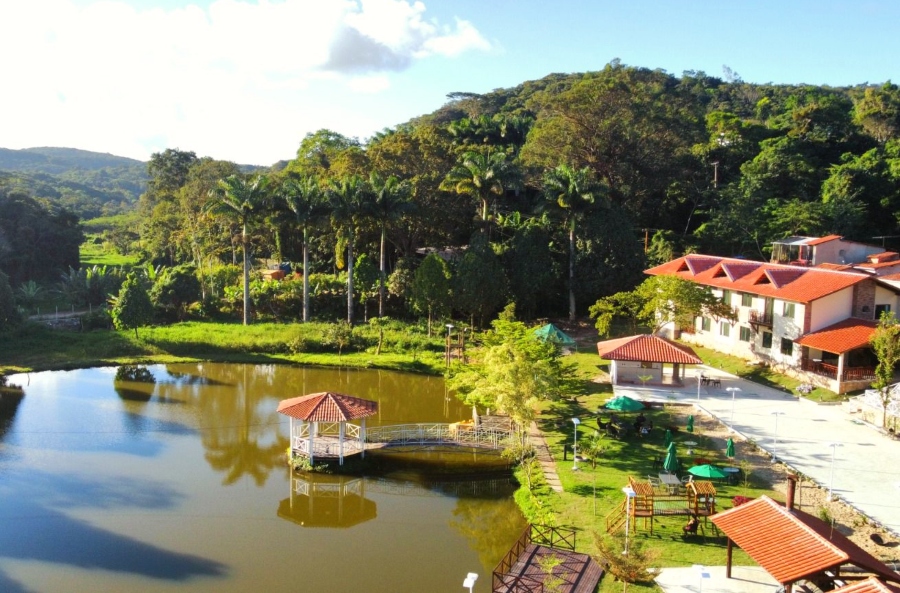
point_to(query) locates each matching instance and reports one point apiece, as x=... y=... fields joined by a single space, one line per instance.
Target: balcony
x=761 y=318
x=829 y=370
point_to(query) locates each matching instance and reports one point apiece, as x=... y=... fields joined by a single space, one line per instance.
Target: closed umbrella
x=668 y=440
x=671 y=463
x=690 y=424
x=707 y=471
x=623 y=403
x=729 y=448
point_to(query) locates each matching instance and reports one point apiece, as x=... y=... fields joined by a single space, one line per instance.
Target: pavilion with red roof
x=636 y=357
x=321 y=424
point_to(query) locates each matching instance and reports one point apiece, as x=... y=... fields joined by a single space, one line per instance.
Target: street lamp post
x=470 y=581
x=449 y=348
x=576 y=422
x=775 y=442
x=699 y=378
x=834 y=447
x=733 y=390
x=629 y=493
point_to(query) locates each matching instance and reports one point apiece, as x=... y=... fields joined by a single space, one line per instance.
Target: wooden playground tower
x=696 y=498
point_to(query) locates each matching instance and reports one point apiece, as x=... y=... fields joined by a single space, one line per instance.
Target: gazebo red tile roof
x=646 y=348
x=841 y=337
x=790 y=544
x=327 y=407
x=869 y=585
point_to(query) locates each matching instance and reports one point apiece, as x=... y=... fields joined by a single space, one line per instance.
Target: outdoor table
x=671 y=481
x=690 y=445
x=732 y=473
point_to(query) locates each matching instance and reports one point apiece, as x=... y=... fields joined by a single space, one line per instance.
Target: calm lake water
x=181 y=485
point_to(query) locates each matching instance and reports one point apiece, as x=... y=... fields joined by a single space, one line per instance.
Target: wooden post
x=728 y=549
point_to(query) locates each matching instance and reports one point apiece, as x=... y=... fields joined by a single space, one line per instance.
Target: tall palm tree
x=347 y=201
x=304 y=197
x=481 y=175
x=241 y=197
x=390 y=201
x=575 y=193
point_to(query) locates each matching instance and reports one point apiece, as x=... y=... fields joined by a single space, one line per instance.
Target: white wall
x=883 y=296
x=831 y=309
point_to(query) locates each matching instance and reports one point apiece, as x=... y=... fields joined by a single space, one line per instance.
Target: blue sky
x=246 y=80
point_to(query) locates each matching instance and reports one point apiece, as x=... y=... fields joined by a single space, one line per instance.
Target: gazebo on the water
x=321 y=427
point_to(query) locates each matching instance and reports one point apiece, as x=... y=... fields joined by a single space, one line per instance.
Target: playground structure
x=695 y=498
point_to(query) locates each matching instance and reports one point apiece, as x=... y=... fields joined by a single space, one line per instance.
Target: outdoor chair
x=655 y=482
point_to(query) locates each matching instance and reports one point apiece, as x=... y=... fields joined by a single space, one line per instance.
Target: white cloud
x=224 y=80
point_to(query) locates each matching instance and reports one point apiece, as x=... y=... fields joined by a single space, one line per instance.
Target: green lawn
x=94 y=254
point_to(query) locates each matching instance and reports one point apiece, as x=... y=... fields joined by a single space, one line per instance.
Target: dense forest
x=550 y=194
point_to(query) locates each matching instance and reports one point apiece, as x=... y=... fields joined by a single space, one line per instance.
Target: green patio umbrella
x=671 y=463
x=668 y=440
x=707 y=471
x=690 y=425
x=623 y=403
x=729 y=448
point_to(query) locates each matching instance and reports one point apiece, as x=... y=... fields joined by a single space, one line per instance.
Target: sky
x=246 y=80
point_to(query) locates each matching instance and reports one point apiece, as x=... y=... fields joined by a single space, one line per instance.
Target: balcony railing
x=831 y=371
x=761 y=318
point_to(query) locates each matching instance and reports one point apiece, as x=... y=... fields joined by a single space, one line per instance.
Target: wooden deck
x=577 y=573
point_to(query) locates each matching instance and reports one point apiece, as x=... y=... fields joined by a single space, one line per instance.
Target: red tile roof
x=327 y=407
x=790 y=283
x=826 y=239
x=646 y=348
x=791 y=545
x=870 y=585
x=841 y=337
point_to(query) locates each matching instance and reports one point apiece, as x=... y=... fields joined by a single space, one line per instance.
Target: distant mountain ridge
x=56 y=160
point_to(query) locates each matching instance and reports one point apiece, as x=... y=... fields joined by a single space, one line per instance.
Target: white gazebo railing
x=326 y=440
x=491 y=437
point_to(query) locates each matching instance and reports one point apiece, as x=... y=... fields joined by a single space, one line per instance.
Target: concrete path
x=542 y=452
x=744 y=579
x=866 y=466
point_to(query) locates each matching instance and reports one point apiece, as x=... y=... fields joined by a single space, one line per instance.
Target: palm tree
x=574 y=192
x=391 y=199
x=240 y=197
x=346 y=201
x=303 y=196
x=481 y=176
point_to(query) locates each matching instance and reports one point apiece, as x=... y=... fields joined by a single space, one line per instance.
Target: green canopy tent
x=623 y=403
x=551 y=333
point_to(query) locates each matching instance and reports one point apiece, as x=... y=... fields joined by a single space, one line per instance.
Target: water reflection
x=134 y=383
x=319 y=500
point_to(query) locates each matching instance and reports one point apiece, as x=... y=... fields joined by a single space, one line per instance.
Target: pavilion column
x=613 y=372
x=840 y=370
x=362 y=437
x=341 y=443
x=729 y=546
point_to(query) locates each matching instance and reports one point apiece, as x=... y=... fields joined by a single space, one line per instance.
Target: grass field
x=94 y=254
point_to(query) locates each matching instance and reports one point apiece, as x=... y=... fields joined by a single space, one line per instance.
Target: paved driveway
x=866 y=462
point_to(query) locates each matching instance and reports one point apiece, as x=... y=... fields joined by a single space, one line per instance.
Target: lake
x=175 y=480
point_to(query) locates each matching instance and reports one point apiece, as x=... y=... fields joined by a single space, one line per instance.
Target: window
x=746 y=300
x=646 y=365
x=787 y=346
x=725 y=329
x=879 y=309
x=789 y=310
x=726 y=297
x=745 y=334
x=767 y=340
x=705 y=324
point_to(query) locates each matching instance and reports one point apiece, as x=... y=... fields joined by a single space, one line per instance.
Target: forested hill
x=89 y=184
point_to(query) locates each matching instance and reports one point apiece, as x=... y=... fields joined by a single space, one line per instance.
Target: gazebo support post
x=313 y=427
x=840 y=377
x=362 y=438
x=341 y=443
x=729 y=547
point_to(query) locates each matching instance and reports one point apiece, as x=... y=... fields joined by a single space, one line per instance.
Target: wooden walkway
x=577 y=573
x=544 y=559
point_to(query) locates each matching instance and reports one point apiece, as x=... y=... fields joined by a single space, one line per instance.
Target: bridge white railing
x=439 y=434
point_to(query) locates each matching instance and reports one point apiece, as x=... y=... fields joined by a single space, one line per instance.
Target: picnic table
x=670 y=481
